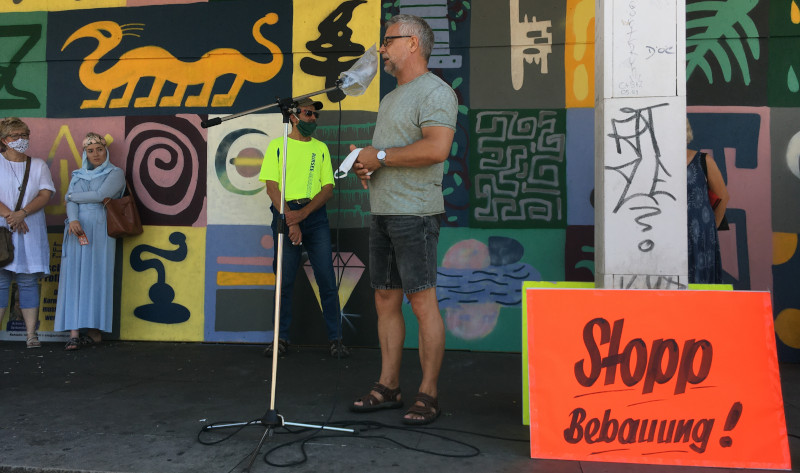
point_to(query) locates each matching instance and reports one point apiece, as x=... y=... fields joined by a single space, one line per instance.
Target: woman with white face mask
x=27 y=225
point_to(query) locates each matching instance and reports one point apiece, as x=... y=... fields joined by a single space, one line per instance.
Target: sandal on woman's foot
x=73 y=344
x=33 y=341
x=86 y=340
x=428 y=411
x=390 y=399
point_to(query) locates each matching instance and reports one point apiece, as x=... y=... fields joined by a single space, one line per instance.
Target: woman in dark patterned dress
x=705 y=265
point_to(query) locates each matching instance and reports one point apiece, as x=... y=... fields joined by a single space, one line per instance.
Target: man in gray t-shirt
x=403 y=171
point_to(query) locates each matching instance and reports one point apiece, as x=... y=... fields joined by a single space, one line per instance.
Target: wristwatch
x=382 y=158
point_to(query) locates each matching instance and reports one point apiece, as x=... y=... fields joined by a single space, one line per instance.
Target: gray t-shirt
x=403 y=112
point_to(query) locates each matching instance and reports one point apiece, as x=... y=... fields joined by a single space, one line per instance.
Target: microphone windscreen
x=356 y=79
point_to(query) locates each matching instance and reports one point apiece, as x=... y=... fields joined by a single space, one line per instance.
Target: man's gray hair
x=415 y=26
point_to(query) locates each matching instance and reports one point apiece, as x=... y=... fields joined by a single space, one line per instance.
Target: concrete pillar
x=640 y=138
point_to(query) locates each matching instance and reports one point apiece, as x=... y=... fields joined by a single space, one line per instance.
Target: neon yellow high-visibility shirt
x=307 y=169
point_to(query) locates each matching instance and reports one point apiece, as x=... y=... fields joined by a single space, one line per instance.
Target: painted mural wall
x=519 y=182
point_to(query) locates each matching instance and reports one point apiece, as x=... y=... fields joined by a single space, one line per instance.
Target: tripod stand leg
x=267 y=433
x=321 y=427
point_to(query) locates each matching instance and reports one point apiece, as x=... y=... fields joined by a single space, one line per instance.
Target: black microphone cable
x=363 y=429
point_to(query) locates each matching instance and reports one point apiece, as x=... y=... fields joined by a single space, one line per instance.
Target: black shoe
x=338 y=349
x=283 y=348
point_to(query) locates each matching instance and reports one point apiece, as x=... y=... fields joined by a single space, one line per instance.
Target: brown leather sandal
x=429 y=410
x=369 y=403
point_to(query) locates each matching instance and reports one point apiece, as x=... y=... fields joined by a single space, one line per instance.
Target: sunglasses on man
x=309 y=113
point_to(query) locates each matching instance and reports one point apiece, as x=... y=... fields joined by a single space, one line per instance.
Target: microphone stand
x=272 y=419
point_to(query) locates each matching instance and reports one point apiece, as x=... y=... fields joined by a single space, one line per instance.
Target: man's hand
x=294 y=217
x=295 y=235
x=365 y=164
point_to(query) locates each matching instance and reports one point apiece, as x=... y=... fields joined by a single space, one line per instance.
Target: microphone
x=356 y=79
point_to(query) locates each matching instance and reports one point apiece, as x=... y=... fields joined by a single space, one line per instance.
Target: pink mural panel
x=750 y=190
x=59 y=141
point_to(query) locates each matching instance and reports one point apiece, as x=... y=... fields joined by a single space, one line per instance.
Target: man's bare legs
x=431 y=340
x=391 y=333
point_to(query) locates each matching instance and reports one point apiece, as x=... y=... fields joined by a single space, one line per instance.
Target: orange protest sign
x=662 y=377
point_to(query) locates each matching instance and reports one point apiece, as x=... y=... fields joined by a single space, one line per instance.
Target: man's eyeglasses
x=17 y=136
x=309 y=113
x=387 y=40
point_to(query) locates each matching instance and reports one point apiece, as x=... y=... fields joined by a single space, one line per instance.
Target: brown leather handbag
x=6 y=247
x=122 y=216
x=6 y=243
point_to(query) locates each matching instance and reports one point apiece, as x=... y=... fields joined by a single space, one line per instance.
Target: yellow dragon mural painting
x=156 y=62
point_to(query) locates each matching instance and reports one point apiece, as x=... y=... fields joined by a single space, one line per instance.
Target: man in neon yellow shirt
x=309 y=185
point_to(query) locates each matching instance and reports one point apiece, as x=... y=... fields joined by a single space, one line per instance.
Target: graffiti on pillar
x=639 y=281
x=333 y=45
x=637 y=129
x=531 y=40
x=162 y=310
x=518 y=168
x=166 y=165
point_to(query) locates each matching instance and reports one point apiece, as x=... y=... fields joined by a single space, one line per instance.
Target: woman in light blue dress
x=86 y=281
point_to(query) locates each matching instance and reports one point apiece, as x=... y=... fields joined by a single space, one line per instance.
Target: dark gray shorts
x=402 y=252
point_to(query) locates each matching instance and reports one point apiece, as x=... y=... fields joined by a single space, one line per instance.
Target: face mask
x=20 y=145
x=305 y=128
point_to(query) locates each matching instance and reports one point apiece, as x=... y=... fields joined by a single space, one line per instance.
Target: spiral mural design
x=167 y=166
